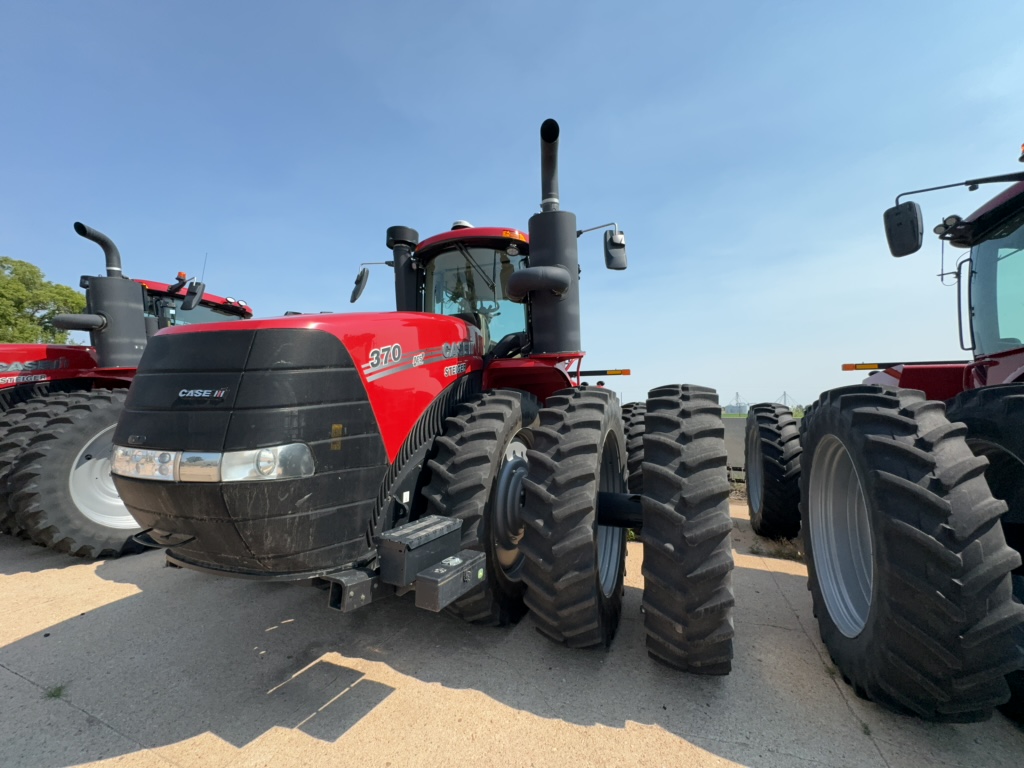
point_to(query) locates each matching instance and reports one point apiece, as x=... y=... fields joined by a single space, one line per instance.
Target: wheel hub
x=508 y=507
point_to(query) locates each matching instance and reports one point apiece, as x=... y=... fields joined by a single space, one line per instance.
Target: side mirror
x=903 y=228
x=615 y=249
x=361 y=279
x=195 y=293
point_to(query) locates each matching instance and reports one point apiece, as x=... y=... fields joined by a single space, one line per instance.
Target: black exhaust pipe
x=549 y=165
x=552 y=279
x=115 y=309
x=109 y=249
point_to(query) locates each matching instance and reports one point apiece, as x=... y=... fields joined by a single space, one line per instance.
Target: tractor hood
x=346 y=389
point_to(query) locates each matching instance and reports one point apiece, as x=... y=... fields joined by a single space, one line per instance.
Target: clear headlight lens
x=277 y=462
x=142 y=463
x=274 y=463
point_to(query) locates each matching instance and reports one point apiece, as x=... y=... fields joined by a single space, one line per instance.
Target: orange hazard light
x=861 y=366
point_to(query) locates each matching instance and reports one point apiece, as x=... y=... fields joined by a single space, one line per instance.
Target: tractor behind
x=908 y=491
x=447 y=448
x=59 y=405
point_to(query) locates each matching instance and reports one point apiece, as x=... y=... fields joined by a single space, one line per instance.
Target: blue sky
x=748 y=150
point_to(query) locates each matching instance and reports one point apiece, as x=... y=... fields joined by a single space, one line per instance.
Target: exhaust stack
x=549 y=165
x=552 y=280
x=109 y=249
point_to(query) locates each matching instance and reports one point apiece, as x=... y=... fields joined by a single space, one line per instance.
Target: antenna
x=203 y=275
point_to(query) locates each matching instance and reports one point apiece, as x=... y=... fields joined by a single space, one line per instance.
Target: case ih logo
x=459 y=348
x=202 y=394
x=34 y=365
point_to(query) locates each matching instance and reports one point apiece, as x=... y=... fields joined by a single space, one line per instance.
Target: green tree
x=28 y=302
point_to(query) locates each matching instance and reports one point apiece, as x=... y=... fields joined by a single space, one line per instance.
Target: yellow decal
x=337 y=432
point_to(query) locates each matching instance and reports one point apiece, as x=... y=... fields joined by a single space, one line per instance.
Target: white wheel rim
x=92 y=489
x=841 y=539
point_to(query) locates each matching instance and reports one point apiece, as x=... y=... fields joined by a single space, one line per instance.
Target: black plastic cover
x=240 y=390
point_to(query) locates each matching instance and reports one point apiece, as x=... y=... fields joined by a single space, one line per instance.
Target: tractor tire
x=23 y=393
x=772 y=465
x=476 y=476
x=633 y=415
x=60 y=489
x=573 y=568
x=907 y=565
x=18 y=425
x=995 y=429
x=688 y=596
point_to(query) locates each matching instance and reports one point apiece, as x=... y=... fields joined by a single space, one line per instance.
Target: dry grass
x=780 y=549
x=738 y=492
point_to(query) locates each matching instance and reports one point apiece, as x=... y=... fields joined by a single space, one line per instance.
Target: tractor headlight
x=274 y=463
x=145 y=464
x=278 y=462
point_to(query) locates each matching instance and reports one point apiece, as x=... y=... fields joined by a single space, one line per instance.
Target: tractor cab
x=990 y=279
x=465 y=274
x=996 y=277
x=166 y=305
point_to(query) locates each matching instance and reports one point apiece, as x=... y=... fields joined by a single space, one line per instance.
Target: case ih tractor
x=908 y=491
x=446 y=448
x=59 y=405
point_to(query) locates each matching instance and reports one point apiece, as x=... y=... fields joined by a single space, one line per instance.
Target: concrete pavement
x=126 y=662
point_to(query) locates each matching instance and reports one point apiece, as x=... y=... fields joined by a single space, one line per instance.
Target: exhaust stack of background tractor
x=115 y=310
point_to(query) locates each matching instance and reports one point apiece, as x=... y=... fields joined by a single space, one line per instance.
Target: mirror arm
x=599 y=226
x=971 y=184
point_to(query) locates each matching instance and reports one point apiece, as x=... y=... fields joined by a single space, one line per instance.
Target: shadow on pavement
x=194 y=654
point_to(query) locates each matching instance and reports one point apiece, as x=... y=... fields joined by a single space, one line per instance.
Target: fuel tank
x=349 y=390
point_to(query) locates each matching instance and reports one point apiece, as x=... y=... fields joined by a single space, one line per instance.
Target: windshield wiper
x=480 y=270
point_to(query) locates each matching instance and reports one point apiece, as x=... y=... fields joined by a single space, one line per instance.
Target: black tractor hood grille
x=234 y=390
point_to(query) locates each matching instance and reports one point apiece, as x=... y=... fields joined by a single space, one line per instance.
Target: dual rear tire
x=569 y=569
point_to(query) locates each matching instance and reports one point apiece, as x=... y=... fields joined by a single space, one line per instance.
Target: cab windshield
x=997 y=293
x=471 y=282
x=169 y=307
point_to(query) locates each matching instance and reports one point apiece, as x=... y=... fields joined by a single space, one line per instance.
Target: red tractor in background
x=59 y=405
x=908 y=492
x=446 y=448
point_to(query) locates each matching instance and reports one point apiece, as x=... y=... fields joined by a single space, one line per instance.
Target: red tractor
x=908 y=492
x=446 y=448
x=59 y=405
